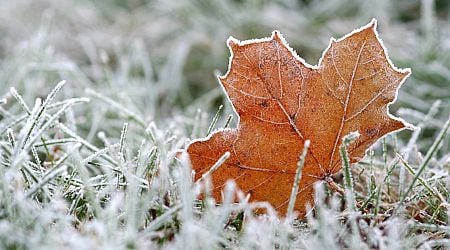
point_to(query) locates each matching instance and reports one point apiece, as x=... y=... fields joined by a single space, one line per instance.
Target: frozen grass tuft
x=90 y=162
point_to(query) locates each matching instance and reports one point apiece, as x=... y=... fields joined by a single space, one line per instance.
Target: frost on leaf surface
x=282 y=101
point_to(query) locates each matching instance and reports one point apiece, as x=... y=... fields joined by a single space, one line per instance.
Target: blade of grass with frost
x=138 y=161
x=74 y=203
x=99 y=153
x=384 y=151
x=349 y=189
x=42 y=109
x=348 y=179
x=29 y=142
x=150 y=132
x=131 y=207
x=228 y=199
x=71 y=100
x=415 y=135
x=389 y=169
x=185 y=182
x=37 y=160
x=55 y=142
x=84 y=177
x=214 y=167
x=20 y=100
x=24 y=131
x=216 y=220
x=434 y=147
x=321 y=222
x=422 y=181
x=33 y=169
x=152 y=168
x=46 y=125
x=130 y=114
x=368 y=199
x=26 y=170
x=297 y=178
x=413 y=141
x=54 y=172
x=123 y=135
x=34 y=115
x=160 y=220
x=84 y=142
x=371 y=185
x=11 y=139
x=228 y=121
x=214 y=120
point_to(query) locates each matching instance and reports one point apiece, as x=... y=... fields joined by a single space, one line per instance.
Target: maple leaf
x=282 y=101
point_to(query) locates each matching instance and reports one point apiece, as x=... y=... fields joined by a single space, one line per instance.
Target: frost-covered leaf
x=282 y=101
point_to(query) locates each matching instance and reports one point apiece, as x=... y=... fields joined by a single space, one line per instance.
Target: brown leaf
x=282 y=101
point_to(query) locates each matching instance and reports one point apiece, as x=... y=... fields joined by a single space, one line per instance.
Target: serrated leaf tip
x=232 y=42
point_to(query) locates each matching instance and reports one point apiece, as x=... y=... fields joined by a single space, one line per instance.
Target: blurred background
x=158 y=60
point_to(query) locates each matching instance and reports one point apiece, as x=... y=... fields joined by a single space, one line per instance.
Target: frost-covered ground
x=89 y=164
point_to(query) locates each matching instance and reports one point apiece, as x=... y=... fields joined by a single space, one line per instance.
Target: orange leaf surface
x=282 y=101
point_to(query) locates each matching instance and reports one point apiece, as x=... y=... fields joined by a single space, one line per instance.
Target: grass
x=88 y=163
